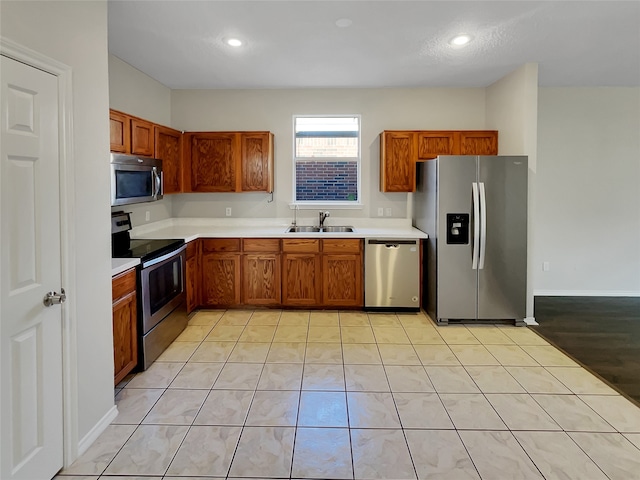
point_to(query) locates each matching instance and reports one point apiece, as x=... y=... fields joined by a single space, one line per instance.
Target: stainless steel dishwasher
x=392 y=274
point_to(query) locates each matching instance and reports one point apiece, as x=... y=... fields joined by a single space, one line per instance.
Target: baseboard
x=586 y=293
x=530 y=321
x=98 y=428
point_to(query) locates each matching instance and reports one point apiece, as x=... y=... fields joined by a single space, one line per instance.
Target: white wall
x=75 y=33
x=136 y=93
x=588 y=192
x=512 y=109
x=381 y=109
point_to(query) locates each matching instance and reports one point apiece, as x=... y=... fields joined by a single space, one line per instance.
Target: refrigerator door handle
x=476 y=225
x=483 y=226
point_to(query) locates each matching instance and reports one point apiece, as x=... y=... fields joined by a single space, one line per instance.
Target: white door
x=30 y=333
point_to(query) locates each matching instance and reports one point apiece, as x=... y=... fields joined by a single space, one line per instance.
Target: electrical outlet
x=227 y=211
x=147 y=216
x=388 y=211
x=545 y=266
x=380 y=211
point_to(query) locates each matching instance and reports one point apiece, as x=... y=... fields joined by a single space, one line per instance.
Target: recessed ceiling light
x=233 y=42
x=460 y=40
x=344 y=22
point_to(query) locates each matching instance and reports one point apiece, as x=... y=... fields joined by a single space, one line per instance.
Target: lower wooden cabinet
x=271 y=272
x=193 y=276
x=342 y=273
x=261 y=278
x=125 y=332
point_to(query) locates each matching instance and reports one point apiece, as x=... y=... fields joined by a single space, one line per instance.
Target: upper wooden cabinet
x=129 y=134
x=397 y=162
x=168 y=147
x=119 y=132
x=228 y=162
x=256 y=159
x=400 y=150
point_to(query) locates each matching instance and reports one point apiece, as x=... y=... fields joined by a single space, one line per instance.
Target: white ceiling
x=297 y=44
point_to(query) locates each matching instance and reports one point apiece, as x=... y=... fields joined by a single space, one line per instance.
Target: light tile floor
x=349 y=395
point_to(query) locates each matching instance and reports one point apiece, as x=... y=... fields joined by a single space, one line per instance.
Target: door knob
x=52 y=298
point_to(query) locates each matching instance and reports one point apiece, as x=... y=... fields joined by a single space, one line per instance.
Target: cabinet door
x=119 y=132
x=479 y=142
x=221 y=279
x=141 y=137
x=342 y=283
x=212 y=160
x=301 y=281
x=125 y=339
x=168 y=148
x=432 y=144
x=257 y=162
x=261 y=279
x=192 y=273
x=397 y=162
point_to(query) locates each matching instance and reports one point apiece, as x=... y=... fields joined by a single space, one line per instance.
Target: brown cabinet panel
x=257 y=162
x=342 y=280
x=341 y=245
x=397 y=162
x=261 y=279
x=479 y=143
x=261 y=245
x=297 y=245
x=168 y=148
x=432 y=144
x=119 y=132
x=211 y=161
x=221 y=279
x=220 y=245
x=193 y=275
x=141 y=137
x=301 y=281
x=125 y=320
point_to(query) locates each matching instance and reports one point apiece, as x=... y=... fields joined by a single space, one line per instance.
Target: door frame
x=63 y=73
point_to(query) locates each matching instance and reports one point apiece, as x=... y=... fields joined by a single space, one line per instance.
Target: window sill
x=326 y=206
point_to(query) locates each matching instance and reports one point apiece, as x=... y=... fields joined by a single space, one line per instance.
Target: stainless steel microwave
x=135 y=179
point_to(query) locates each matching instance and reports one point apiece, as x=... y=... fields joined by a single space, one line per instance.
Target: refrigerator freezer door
x=456 y=278
x=502 y=282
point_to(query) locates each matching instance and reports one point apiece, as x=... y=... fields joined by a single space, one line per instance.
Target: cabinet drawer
x=261 y=245
x=221 y=245
x=123 y=284
x=341 y=245
x=300 y=245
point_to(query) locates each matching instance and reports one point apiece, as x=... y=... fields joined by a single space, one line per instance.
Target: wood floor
x=601 y=333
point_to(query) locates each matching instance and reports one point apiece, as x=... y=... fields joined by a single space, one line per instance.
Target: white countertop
x=192 y=228
x=119 y=265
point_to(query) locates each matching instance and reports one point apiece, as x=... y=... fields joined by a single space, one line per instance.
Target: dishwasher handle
x=392 y=243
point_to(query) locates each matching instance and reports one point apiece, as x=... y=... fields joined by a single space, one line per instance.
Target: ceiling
x=297 y=44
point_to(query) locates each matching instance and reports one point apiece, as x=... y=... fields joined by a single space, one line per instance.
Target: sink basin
x=305 y=229
x=336 y=229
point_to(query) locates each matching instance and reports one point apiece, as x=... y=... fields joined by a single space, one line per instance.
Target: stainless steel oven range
x=162 y=312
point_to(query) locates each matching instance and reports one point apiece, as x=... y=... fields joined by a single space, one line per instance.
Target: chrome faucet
x=322 y=217
x=295 y=216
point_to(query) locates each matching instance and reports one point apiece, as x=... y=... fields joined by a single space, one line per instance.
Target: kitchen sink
x=309 y=229
x=337 y=229
x=302 y=229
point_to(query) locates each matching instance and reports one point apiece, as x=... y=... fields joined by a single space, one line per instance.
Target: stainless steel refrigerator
x=474 y=209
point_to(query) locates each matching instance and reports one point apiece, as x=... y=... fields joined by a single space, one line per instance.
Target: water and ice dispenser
x=458 y=228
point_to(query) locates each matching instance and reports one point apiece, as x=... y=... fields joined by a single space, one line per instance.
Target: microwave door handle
x=156 y=183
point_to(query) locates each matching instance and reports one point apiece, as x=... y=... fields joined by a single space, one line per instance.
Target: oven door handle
x=164 y=257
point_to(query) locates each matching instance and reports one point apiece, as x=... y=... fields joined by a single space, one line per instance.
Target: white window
x=327 y=159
